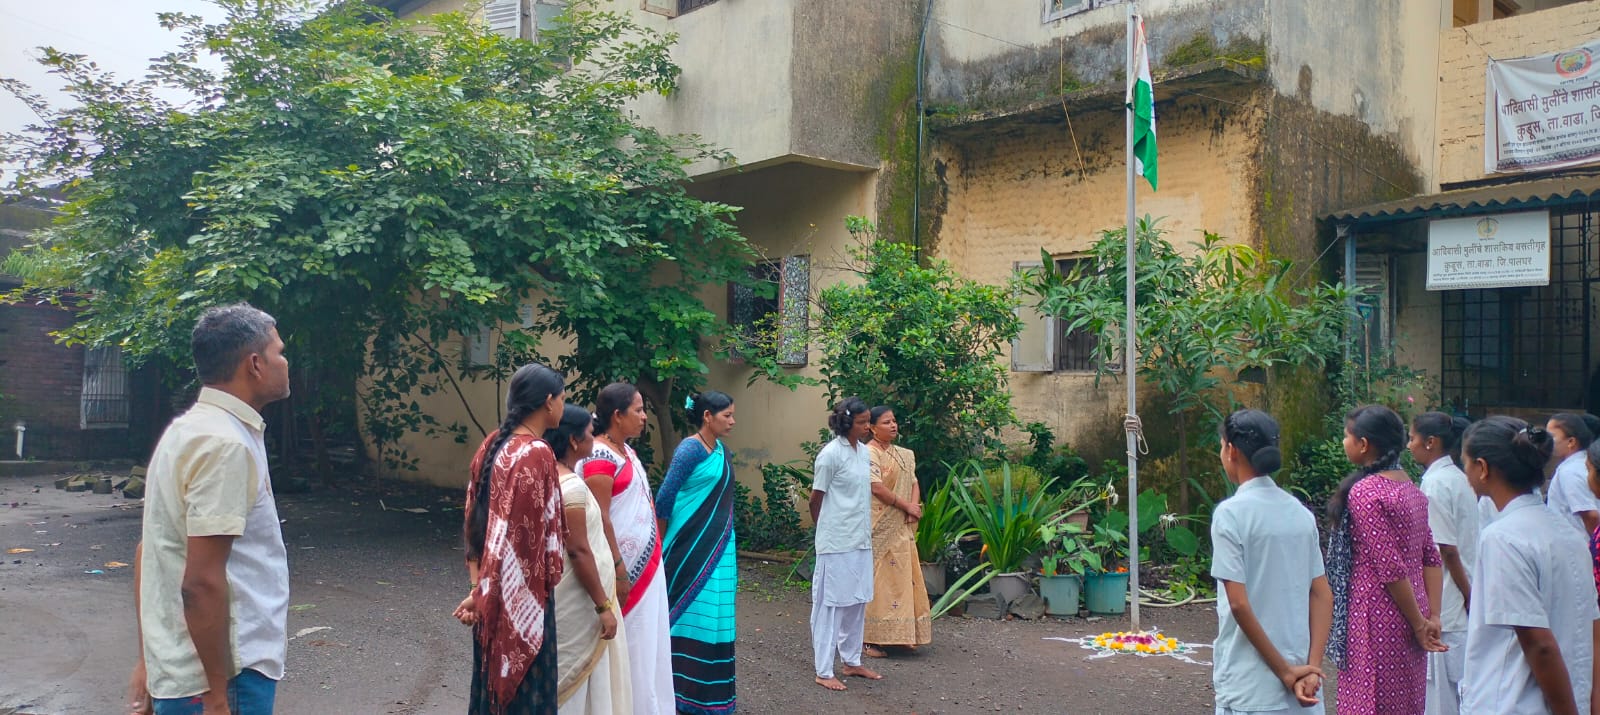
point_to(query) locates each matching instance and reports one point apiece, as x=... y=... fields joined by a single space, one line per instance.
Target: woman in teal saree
x=695 y=507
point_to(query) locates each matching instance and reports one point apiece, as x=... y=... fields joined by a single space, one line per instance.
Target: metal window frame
x=104 y=389
x=1049 y=364
x=1068 y=9
x=1526 y=348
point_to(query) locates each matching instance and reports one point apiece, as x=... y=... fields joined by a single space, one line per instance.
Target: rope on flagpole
x=1135 y=426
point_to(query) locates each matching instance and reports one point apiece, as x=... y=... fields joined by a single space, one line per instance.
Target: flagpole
x=1130 y=354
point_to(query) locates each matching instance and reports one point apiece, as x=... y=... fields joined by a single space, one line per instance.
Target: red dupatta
x=521 y=561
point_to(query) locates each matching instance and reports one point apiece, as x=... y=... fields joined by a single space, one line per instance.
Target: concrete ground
x=373 y=585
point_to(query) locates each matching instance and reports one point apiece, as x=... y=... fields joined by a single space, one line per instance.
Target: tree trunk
x=1183 y=463
x=658 y=400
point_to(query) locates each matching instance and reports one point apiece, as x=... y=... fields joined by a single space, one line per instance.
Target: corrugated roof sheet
x=1526 y=194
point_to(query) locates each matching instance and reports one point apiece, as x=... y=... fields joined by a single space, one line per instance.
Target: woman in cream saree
x=899 y=613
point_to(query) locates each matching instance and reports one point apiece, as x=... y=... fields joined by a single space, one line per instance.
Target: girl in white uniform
x=1532 y=613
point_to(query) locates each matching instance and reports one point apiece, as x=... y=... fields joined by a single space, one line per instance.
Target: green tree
x=924 y=340
x=1223 y=308
x=383 y=186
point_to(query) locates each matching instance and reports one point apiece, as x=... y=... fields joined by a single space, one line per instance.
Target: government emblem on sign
x=1573 y=64
x=1488 y=227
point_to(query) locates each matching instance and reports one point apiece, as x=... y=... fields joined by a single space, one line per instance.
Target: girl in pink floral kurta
x=1383 y=519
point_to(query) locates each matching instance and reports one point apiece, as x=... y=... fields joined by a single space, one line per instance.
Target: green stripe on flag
x=1142 y=102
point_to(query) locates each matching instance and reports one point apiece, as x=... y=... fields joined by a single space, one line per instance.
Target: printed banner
x=1542 y=112
x=1489 y=251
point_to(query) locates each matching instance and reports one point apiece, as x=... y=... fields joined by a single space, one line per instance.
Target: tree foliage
x=919 y=338
x=1218 y=311
x=384 y=186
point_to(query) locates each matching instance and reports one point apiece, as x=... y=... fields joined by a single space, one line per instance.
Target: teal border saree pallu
x=698 y=555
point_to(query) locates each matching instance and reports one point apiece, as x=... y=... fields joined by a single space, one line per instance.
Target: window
x=1045 y=344
x=674 y=8
x=504 y=17
x=1058 y=9
x=1527 y=348
x=1374 y=305
x=781 y=313
x=1075 y=349
x=104 y=400
x=1033 y=348
x=687 y=5
x=475 y=351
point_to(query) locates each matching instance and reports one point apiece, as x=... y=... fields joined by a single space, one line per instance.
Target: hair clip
x=688 y=402
x=1524 y=430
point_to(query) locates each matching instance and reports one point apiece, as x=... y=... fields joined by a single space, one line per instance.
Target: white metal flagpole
x=1130 y=355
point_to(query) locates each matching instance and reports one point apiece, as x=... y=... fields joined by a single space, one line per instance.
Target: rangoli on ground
x=1143 y=644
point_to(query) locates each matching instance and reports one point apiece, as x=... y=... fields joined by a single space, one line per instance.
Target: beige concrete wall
x=1463 y=57
x=1013 y=193
x=975 y=31
x=791 y=209
x=1378 y=66
x=735 y=88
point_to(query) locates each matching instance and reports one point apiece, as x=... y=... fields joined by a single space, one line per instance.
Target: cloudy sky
x=121 y=35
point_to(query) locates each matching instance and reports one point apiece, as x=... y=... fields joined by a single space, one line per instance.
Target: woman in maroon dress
x=1385 y=571
x=514 y=542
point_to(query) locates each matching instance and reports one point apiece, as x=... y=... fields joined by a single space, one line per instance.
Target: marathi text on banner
x=1498 y=251
x=1542 y=112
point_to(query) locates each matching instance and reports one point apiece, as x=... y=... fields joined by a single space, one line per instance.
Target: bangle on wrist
x=602 y=608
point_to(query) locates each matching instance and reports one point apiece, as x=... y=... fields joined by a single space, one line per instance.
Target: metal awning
x=1539 y=193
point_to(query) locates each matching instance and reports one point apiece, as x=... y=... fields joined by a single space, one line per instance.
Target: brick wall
x=40 y=382
x=1463 y=59
x=1012 y=192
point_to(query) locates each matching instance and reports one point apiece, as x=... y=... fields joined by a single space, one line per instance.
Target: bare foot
x=873 y=651
x=861 y=672
x=830 y=683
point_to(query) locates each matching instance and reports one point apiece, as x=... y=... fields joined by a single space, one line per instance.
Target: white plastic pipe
x=21 y=429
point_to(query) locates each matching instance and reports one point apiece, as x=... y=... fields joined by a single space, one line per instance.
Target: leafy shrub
x=773 y=521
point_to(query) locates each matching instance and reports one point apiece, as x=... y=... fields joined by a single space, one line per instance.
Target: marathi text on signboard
x=1489 y=251
x=1543 y=112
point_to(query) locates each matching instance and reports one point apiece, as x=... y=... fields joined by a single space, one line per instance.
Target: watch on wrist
x=602 y=608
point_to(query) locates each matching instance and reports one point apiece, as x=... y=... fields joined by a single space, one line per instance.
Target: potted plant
x=1007 y=520
x=1065 y=560
x=1105 y=589
x=943 y=522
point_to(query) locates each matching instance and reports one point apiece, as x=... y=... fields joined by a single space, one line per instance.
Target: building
x=1269 y=124
x=1486 y=279
x=73 y=403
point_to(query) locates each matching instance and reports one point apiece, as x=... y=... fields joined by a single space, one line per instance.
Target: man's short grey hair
x=224 y=336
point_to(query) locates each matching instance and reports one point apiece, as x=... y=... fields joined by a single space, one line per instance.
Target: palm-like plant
x=1007 y=519
x=943 y=522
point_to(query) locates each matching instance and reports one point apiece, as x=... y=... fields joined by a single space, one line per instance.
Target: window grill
x=687 y=5
x=1525 y=348
x=104 y=400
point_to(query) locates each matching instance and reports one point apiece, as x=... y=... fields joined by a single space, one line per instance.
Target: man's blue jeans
x=249 y=693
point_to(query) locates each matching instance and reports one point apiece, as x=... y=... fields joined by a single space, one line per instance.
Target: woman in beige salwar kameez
x=898 y=614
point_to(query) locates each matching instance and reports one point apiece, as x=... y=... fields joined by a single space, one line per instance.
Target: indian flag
x=1142 y=103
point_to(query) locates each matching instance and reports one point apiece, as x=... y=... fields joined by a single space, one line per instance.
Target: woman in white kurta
x=1532 y=613
x=617 y=479
x=591 y=650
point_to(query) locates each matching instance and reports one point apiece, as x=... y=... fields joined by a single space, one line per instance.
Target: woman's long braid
x=1387 y=460
x=477 y=528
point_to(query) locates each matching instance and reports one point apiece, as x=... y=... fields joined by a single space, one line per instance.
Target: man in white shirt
x=1569 y=486
x=211 y=575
